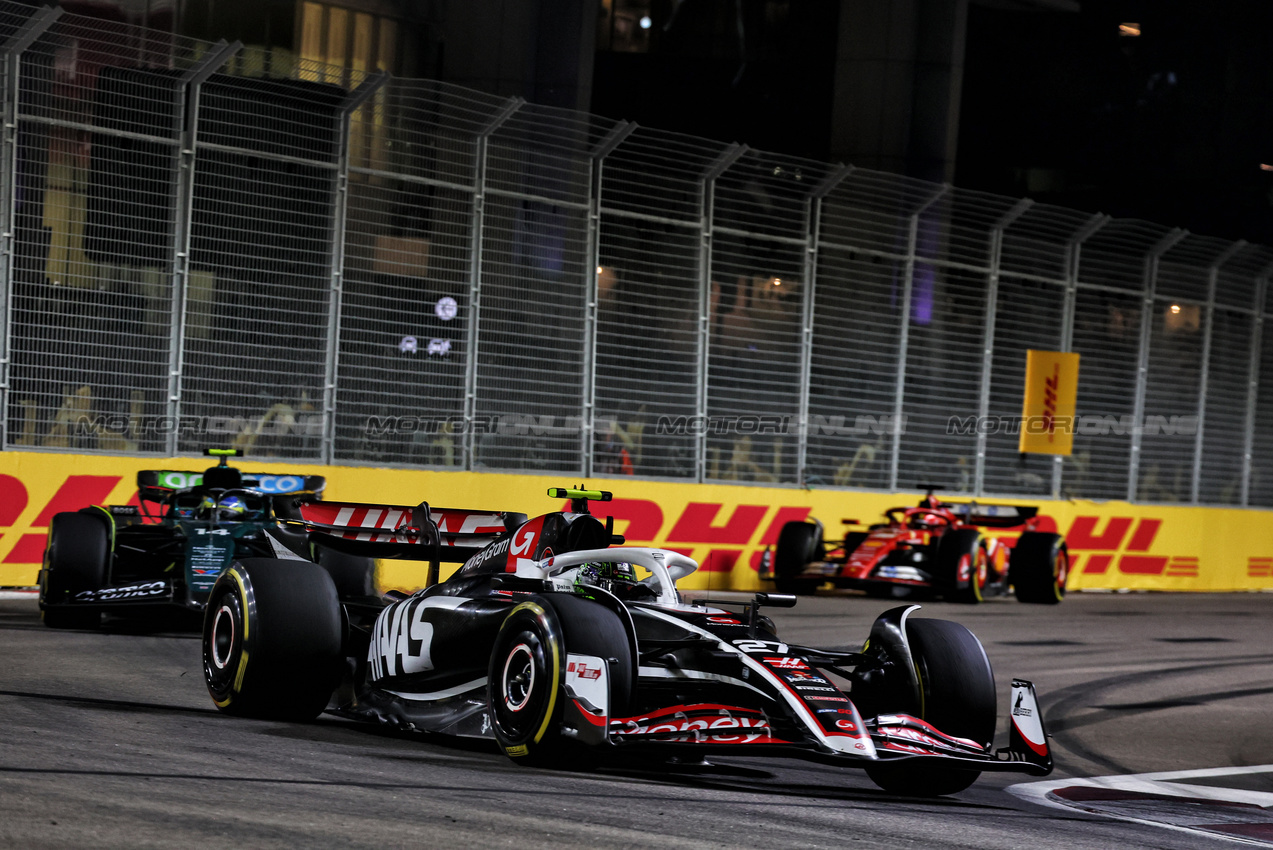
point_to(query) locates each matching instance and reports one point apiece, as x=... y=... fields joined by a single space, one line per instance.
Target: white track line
x=1156 y=783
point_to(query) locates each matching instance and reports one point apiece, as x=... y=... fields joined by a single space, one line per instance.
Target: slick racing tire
x=354 y=575
x=76 y=560
x=962 y=565
x=957 y=690
x=273 y=640
x=799 y=543
x=1039 y=568
x=527 y=673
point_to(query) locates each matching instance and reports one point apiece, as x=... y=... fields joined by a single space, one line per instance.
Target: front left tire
x=527 y=672
x=273 y=640
x=962 y=565
x=799 y=544
x=77 y=559
x=1039 y=568
x=957 y=696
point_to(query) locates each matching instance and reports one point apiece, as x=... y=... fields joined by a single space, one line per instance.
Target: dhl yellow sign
x=1047 y=410
x=725 y=528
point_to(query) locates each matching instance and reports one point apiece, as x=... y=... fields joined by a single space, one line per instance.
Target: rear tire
x=354 y=575
x=527 y=674
x=962 y=566
x=799 y=544
x=1039 y=568
x=958 y=697
x=77 y=559
x=273 y=640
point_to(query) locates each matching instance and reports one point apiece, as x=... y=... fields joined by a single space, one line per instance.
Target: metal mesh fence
x=1006 y=470
x=647 y=353
x=207 y=245
x=261 y=262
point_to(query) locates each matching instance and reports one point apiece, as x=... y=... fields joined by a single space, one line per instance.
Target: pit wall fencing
x=1113 y=545
x=217 y=244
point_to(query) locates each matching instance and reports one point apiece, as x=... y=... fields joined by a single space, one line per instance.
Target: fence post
x=26 y=35
x=1074 y=252
x=1213 y=276
x=903 y=335
x=618 y=133
x=988 y=337
x=186 y=122
x=707 y=207
x=505 y=112
x=1253 y=381
x=1165 y=244
x=826 y=187
x=340 y=217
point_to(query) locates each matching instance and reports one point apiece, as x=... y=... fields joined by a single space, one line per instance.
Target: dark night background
x=1053 y=104
x=1170 y=126
x=753 y=72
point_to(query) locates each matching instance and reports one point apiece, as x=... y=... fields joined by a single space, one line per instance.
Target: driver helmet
x=227 y=508
x=610 y=576
x=925 y=520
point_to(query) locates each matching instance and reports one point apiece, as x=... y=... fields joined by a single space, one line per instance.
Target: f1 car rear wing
x=405 y=532
x=157 y=483
x=992 y=516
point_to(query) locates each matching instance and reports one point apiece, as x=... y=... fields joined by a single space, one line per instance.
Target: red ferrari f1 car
x=935 y=549
x=563 y=646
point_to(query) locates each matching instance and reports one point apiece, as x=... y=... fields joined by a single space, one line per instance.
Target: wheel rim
x=518 y=681
x=1062 y=572
x=222 y=643
x=975 y=576
x=223 y=632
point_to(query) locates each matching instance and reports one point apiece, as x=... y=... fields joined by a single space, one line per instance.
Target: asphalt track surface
x=109 y=739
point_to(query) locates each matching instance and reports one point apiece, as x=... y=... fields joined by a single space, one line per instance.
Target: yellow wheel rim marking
x=554 y=680
x=243 y=668
x=243 y=595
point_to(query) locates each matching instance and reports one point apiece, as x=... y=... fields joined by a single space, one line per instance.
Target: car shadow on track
x=24 y=615
x=703 y=775
x=483 y=756
x=737 y=779
x=110 y=704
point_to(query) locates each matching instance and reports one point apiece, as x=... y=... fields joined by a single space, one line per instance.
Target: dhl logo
x=1049 y=401
x=726 y=533
x=1124 y=543
x=23 y=536
x=700 y=531
x=708 y=532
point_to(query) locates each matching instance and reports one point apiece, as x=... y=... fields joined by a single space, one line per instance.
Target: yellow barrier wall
x=1112 y=544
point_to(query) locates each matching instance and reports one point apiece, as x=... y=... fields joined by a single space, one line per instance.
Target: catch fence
x=205 y=244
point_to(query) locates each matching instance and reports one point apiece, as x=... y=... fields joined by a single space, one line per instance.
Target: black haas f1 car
x=935 y=549
x=564 y=646
x=167 y=551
